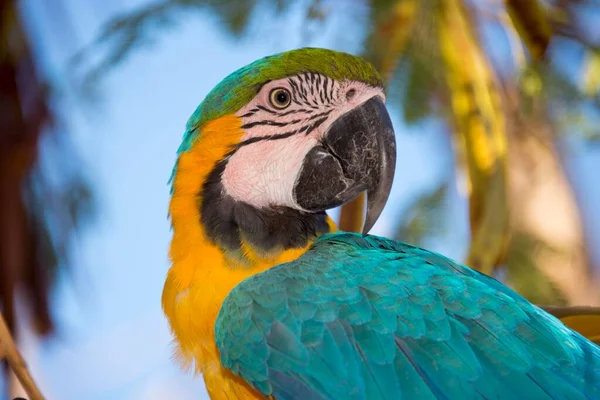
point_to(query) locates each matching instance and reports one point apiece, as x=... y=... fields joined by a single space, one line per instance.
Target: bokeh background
x=496 y=109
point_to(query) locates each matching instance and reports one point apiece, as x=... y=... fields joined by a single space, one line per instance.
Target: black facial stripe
x=314 y=93
x=304 y=98
x=269 y=122
x=295 y=112
x=305 y=127
x=261 y=138
x=251 y=112
x=294 y=92
x=266 y=110
x=308 y=128
x=303 y=84
x=261 y=108
x=326 y=113
x=315 y=125
x=325 y=95
x=327 y=89
x=304 y=92
x=293 y=86
x=298 y=96
x=295 y=89
x=294 y=121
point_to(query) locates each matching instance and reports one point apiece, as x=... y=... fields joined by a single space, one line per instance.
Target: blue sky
x=113 y=341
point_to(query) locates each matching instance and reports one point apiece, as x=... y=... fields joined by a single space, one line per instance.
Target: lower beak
x=357 y=154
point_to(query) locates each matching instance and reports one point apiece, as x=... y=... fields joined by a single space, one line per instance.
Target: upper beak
x=357 y=154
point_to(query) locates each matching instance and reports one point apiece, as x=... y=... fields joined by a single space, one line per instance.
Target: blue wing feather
x=362 y=317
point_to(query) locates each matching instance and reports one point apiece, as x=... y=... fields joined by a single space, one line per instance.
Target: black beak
x=357 y=154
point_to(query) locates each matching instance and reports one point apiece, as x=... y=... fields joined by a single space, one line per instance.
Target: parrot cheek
x=263 y=174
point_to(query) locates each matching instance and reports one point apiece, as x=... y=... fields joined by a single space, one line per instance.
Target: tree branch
x=9 y=350
x=561 y=312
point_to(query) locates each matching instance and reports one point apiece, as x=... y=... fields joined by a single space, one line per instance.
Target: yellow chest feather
x=193 y=294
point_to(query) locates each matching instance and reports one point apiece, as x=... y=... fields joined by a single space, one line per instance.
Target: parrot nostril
x=350 y=94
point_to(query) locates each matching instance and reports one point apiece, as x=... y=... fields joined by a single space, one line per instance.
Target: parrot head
x=314 y=134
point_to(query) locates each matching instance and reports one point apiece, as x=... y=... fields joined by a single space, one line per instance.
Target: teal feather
x=357 y=312
x=383 y=319
x=327 y=312
x=333 y=364
x=312 y=332
x=302 y=310
x=284 y=344
x=362 y=317
x=411 y=383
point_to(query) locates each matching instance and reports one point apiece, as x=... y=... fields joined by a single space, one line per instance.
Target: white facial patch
x=263 y=170
x=263 y=174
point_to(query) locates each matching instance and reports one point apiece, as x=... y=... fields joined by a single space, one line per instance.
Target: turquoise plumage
x=363 y=317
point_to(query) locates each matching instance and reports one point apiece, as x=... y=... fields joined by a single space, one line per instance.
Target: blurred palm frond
x=523 y=272
x=38 y=216
x=424 y=219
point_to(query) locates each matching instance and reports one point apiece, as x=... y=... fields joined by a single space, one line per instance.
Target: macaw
x=267 y=300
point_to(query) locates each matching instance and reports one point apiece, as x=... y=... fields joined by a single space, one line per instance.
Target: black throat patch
x=227 y=221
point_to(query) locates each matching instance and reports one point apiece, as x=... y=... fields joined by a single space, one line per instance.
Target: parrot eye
x=280 y=98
